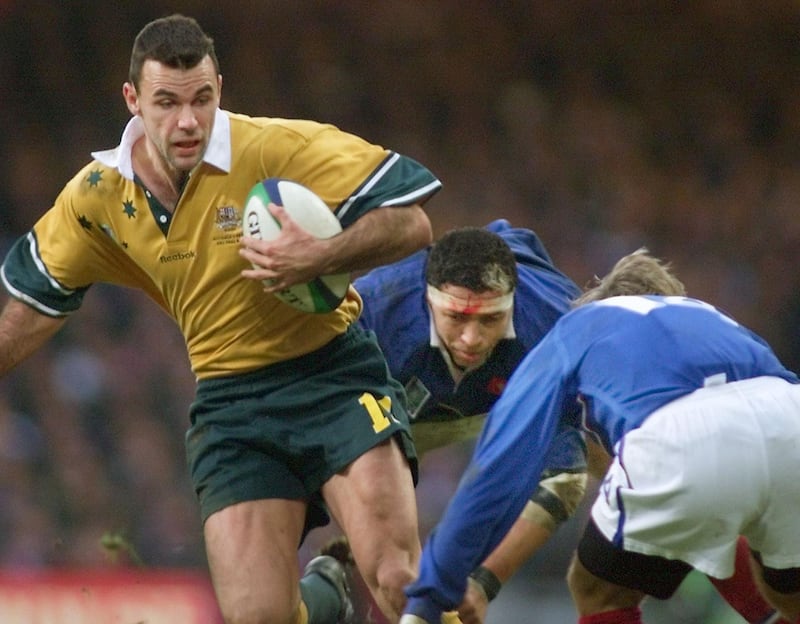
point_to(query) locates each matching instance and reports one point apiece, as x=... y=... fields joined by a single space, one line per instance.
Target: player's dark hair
x=176 y=41
x=638 y=273
x=473 y=258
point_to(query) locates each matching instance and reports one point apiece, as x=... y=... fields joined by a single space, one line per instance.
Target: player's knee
x=789 y=609
x=587 y=596
x=576 y=578
x=787 y=604
x=780 y=587
x=391 y=578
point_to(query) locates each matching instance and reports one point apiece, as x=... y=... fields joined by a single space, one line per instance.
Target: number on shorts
x=377 y=410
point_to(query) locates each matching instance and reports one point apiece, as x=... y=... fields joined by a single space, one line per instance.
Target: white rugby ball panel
x=305 y=207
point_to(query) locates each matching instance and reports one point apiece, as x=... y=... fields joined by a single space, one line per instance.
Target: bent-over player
x=454 y=321
x=702 y=421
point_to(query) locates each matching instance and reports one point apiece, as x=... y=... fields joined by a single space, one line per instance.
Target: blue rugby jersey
x=620 y=359
x=396 y=310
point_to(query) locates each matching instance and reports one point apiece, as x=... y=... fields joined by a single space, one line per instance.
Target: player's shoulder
x=95 y=182
x=306 y=128
x=406 y=275
x=394 y=301
x=527 y=247
x=606 y=317
x=505 y=230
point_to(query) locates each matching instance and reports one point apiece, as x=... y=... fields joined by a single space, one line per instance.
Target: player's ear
x=131 y=98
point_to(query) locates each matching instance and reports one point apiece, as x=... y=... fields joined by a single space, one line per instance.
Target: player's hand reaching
x=294 y=257
x=472 y=609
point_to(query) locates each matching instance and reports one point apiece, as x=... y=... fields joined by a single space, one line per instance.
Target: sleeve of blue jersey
x=505 y=468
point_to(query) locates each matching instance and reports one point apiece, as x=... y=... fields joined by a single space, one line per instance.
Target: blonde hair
x=638 y=273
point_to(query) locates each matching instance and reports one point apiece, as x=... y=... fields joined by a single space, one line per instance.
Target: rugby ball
x=324 y=293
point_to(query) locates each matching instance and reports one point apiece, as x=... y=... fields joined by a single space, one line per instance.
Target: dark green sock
x=321 y=598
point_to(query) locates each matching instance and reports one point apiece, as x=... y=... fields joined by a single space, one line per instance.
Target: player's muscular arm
x=381 y=236
x=22 y=331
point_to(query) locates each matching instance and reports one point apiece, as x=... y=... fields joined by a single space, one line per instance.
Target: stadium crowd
x=602 y=126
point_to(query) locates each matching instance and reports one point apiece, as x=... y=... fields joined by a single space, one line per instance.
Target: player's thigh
x=603 y=567
x=252 y=555
x=780 y=586
x=593 y=594
x=787 y=604
x=375 y=504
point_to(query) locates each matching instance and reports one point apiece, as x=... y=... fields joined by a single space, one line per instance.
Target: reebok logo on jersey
x=182 y=255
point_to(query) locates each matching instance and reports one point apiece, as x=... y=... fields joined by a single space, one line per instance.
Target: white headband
x=470 y=305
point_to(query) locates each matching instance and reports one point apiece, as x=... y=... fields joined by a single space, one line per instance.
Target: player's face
x=177 y=107
x=469 y=337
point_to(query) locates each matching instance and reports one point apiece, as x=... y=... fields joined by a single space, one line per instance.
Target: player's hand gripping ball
x=324 y=293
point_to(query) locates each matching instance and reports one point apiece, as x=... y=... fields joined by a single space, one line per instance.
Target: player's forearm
x=379 y=237
x=22 y=331
x=484 y=583
x=554 y=502
x=519 y=544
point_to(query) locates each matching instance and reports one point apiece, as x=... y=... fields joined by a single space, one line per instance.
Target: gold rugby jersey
x=105 y=227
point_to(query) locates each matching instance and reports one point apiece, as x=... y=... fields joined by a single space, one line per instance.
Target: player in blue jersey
x=454 y=321
x=702 y=421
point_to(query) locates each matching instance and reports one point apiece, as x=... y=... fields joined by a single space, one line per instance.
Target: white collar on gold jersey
x=218 y=152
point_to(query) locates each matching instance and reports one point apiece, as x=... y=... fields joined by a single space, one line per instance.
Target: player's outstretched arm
x=22 y=331
x=553 y=503
x=524 y=539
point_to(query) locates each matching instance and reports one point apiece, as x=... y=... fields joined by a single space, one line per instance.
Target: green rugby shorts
x=284 y=430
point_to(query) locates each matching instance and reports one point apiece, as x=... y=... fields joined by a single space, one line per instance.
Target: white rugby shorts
x=721 y=462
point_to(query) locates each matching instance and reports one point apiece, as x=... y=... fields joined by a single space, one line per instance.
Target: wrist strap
x=488 y=580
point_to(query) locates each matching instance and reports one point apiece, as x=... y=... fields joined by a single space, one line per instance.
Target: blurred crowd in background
x=604 y=126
